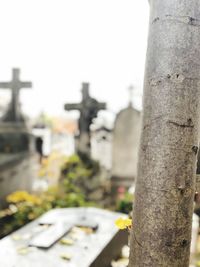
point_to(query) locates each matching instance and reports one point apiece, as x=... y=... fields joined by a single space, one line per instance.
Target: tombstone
x=14 y=114
x=126 y=136
x=89 y=108
x=71 y=237
x=17 y=158
x=101 y=146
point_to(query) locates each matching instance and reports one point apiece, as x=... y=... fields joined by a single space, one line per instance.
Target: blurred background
x=71 y=78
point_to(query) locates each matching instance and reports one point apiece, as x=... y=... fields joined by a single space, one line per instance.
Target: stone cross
x=131 y=92
x=89 y=108
x=14 y=114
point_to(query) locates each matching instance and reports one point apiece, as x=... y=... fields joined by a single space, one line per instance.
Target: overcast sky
x=58 y=44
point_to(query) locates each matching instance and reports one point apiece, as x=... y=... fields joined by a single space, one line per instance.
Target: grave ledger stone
x=18 y=161
x=89 y=108
x=126 y=136
x=74 y=237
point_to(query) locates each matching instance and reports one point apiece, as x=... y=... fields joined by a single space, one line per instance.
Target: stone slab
x=95 y=249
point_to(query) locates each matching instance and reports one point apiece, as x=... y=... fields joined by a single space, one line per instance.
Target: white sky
x=58 y=44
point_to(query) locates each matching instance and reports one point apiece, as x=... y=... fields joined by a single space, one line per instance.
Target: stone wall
x=17 y=172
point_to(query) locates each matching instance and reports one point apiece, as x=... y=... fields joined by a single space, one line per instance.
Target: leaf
x=16 y=237
x=66 y=256
x=66 y=241
x=23 y=250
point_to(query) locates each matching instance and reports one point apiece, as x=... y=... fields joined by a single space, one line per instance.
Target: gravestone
x=18 y=161
x=14 y=114
x=89 y=108
x=126 y=136
x=71 y=237
x=101 y=147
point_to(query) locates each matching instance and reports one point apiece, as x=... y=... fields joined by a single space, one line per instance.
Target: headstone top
x=14 y=114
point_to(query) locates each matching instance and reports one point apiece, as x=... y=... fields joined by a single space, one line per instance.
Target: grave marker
x=126 y=135
x=89 y=108
x=94 y=248
x=18 y=160
x=15 y=85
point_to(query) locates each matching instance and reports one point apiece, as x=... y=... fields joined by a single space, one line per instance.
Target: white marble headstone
x=125 y=146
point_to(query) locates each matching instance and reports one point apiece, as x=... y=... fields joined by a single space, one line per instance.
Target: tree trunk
x=165 y=186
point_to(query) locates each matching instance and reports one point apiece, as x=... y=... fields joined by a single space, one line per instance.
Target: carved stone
x=96 y=248
x=13 y=113
x=89 y=108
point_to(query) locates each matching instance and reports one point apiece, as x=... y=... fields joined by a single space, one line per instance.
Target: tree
x=165 y=186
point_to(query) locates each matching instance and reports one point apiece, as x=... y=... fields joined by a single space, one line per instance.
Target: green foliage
x=80 y=175
x=125 y=204
x=24 y=207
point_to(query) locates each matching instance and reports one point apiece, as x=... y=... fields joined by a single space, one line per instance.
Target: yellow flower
x=31 y=216
x=22 y=196
x=123 y=223
x=44 y=161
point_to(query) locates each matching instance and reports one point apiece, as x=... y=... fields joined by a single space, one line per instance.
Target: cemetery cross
x=131 y=92
x=15 y=85
x=89 y=108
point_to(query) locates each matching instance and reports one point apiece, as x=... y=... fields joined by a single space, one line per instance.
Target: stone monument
x=18 y=161
x=89 y=108
x=74 y=237
x=14 y=114
x=101 y=147
x=126 y=137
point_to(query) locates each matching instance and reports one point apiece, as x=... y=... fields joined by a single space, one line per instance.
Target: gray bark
x=165 y=186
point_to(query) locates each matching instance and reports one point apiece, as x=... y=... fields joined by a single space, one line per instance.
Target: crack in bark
x=156 y=19
x=195 y=149
x=188 y=20
x=172 y=147
x=189 y=125
x=137 y=240
x=174 y=77
x=178 y=188
x=155 y=119
x=185 y=149
x=156 y=189
x=185 y=19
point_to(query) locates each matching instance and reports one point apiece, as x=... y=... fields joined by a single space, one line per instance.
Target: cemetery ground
x=58 y=186
x=63 y=182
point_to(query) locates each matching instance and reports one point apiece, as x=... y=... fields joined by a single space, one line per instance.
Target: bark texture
x=165 y=186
